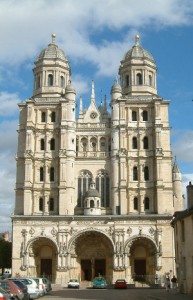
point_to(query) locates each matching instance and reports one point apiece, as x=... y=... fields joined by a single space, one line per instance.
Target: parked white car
x=73 y=283
x=41 y=286
x=32 y=286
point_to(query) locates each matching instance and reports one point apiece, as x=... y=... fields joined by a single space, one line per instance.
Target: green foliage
x=5 y=254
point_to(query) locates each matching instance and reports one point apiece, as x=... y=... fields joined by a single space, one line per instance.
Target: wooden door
x=100 y=267
x=46 y=268
x=86 y=270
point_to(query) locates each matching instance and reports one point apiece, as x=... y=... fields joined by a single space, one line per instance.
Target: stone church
x=95 y=194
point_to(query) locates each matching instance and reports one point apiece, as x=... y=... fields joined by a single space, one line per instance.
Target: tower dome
x=138 y=71
x=52 y=51
x=138 y=52
x=51 y=72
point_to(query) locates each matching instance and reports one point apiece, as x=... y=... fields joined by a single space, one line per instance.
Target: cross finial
x=53 y=38
x=137 y=40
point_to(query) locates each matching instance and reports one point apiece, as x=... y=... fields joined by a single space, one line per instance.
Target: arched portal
x=142 y=252
x=42 y=258
x=94 y=253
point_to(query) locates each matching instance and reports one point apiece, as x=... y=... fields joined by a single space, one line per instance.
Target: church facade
x=95 y=194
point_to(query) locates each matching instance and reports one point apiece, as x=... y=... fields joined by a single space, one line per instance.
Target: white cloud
x=183 y=144
x=27 y=25
x=8 y=104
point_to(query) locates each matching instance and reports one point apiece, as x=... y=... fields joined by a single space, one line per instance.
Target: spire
x=80 y=104
x=80 y=109
x=93 y=93
x=175 y=168
x=105 y=103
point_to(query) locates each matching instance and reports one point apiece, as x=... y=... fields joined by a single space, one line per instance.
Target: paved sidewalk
x=161 y=294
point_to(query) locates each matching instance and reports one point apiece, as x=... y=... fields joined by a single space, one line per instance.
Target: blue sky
x=95 y=36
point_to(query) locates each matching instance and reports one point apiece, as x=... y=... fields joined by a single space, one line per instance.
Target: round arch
x=91 y=251
x=41 y=257
x=142 y=257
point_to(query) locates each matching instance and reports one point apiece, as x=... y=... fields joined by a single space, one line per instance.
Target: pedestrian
x=156 y=279
x=167 y=284
x=174 y=284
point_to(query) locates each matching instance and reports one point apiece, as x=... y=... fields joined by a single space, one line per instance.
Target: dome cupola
x=92 y=201
x=51 y=72
x=138 y=71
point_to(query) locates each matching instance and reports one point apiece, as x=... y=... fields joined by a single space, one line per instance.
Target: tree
x=5 y=254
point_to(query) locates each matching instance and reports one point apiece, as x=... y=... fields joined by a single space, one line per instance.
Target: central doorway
x=140 y=269
x=86 y=270
x=46 y=268
x=100 y=267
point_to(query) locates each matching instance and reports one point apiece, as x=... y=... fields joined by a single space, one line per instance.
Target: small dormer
x=92 y=201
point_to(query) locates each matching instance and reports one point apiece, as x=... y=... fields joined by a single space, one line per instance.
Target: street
x=112 y=294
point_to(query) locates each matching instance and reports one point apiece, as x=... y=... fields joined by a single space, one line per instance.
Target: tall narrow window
x=134 y=115
x=134 y=142
x=150 y=80
x=84 y=180
x=52 y=144
x=62 y=81
x=145 y=115
x=135 y=173
x=52 y=174
x=43 y=117
x=50 y=80
x=145 y=143
x=41 y=174
x=146 y=173
x=146 y=203
x=139 y=79
x=135 y=203
x=42 y=144
x=103 y=186
x=38 y=82
x=41 y=204
x=126 y=80
x=51 y=204
x=53 y=117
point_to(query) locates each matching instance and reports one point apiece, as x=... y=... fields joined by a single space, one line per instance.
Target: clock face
x=93 y=115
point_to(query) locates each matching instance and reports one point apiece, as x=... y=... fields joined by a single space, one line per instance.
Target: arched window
x=135 y=173
x=91 y=203
x=41 y=174
x=134 y=115
x=145 y=115
x=126 y=80
x=146 y=203
x=41 y=204
x=53 y=116
x=103 y=186
x=42 y=144
x=84 y=144
x=139 y=79
x=43 y=117
x=52 y=174
x=135 y=203
x=51 y=204
x=84 y=181
x=134 y=142
x=145 y=142
x=146 y=173
x=150 y=80
x=62 y=81
x=50 y=80
x=93 y=143
x=52 y=144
